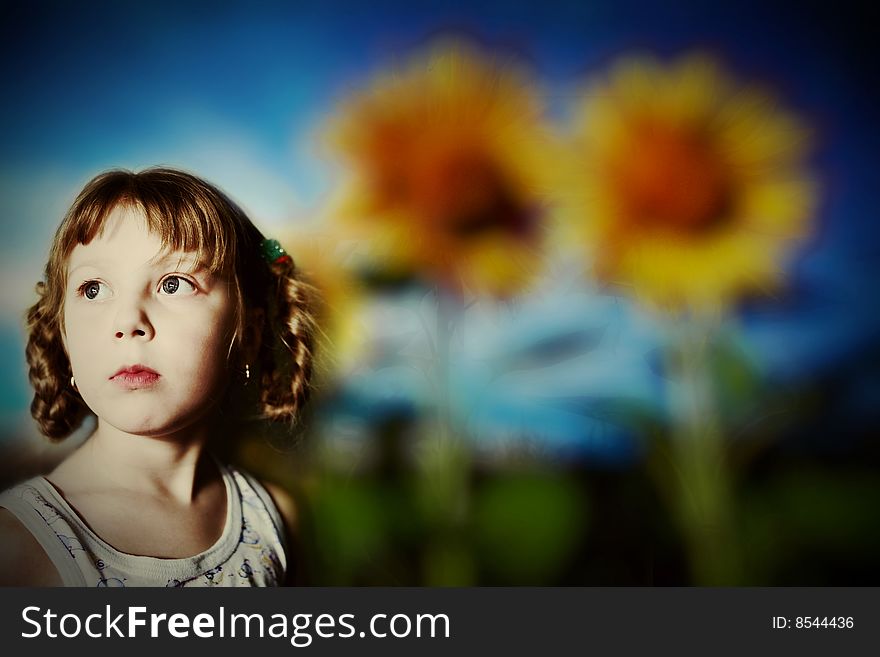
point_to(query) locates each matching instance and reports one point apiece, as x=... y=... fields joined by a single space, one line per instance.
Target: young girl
x=163 y=311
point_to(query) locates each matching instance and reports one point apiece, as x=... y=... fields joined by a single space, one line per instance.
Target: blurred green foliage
x=524 y=521
x=526 y=525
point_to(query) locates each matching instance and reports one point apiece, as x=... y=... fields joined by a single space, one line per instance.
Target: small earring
x=73 y=384
x=247 y=373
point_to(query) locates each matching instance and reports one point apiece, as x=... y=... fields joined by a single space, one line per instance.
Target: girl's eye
x=175 y=284
x=94 y=290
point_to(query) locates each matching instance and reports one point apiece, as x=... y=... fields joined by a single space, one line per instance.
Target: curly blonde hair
x=188 y=214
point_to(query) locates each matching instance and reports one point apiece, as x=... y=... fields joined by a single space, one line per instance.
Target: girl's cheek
x=84 y=327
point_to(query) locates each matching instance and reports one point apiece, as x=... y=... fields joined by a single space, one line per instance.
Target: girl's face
x=147 y=331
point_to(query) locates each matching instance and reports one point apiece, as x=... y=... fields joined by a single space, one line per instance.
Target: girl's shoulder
x=23 y=562
x=293 y=535
x=286 y=505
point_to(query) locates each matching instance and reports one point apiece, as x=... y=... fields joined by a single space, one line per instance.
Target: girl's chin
x=154 y=427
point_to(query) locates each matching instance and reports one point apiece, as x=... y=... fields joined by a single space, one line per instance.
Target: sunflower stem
x=704 y=487
x=448 y=562
x=442 y=346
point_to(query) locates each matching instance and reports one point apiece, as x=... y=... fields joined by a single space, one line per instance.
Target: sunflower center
x=672 y=180
x=465 y=194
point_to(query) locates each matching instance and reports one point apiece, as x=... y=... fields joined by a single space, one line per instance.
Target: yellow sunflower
x=448 y=161
x=687 y=188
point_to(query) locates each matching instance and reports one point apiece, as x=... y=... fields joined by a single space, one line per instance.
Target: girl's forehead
x=126 y=239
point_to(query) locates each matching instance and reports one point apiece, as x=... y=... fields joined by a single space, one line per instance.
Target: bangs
x=186 y=214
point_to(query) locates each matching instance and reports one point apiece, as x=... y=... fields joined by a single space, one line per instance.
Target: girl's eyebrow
x=96 y=264
x=190 y=260
x=193 y=263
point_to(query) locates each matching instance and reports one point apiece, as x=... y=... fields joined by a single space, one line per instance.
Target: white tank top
x=250 y=552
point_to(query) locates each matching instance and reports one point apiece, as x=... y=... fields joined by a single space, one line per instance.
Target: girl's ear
x=253 y=335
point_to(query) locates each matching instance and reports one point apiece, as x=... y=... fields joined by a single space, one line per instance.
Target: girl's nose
x=132 y=323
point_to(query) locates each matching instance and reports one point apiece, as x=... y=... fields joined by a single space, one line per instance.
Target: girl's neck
x=173 y=466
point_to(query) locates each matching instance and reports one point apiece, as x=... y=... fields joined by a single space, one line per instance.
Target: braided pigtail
x=288 y=345
x=57 y=408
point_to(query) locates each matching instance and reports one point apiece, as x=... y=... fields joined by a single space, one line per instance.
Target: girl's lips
x=135 y=377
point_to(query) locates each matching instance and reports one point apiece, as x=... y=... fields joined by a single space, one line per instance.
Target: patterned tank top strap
x=34 y=504
x=257 y=498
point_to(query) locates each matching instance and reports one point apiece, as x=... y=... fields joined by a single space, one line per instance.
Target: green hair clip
x=274 y=253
